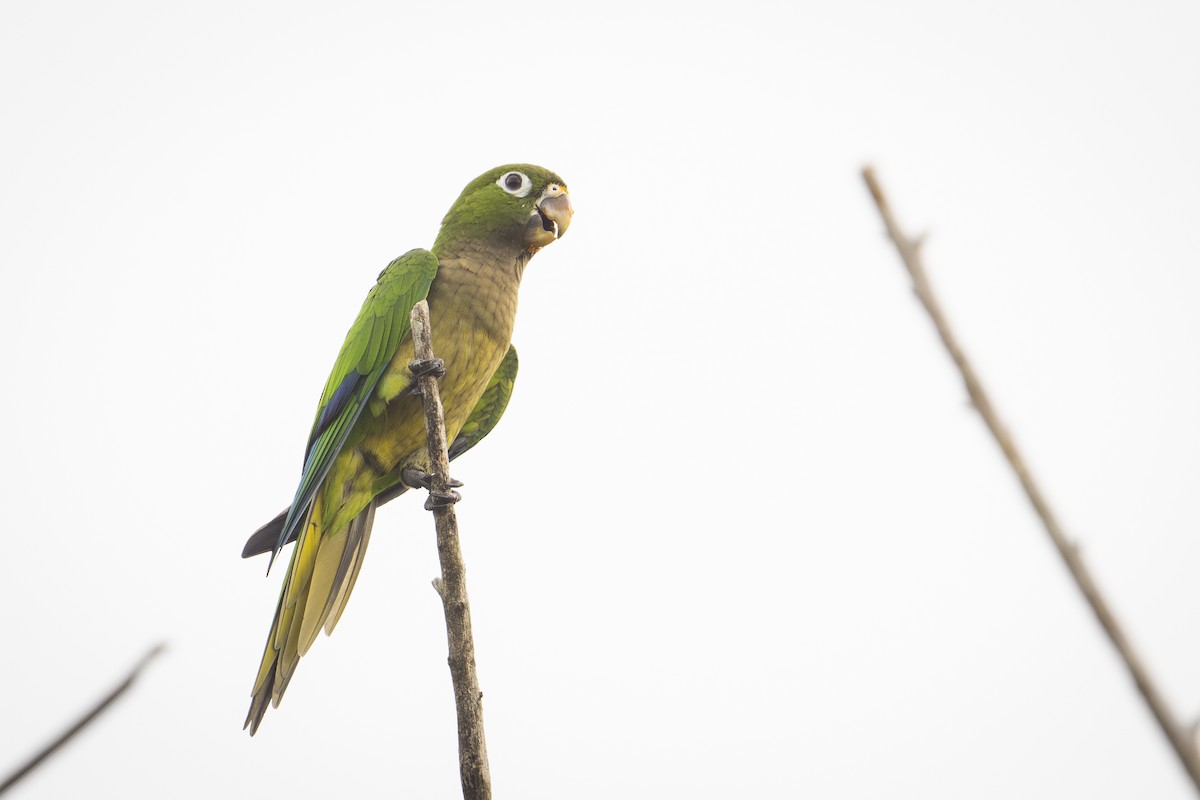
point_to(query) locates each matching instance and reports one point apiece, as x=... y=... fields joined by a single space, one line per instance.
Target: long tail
x=319 y=579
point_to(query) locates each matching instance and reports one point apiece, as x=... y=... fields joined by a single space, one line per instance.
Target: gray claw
x=419 y=479
x=422 y=366
x=427 y=366
x=441 y=500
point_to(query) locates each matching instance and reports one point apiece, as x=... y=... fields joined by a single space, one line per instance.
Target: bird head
x=519 y=206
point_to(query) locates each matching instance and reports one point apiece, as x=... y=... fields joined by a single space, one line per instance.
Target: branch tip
x=90 y=716
x=909 y=251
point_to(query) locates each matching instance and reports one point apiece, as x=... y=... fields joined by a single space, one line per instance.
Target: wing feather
x=372 y=341
x=483 y=419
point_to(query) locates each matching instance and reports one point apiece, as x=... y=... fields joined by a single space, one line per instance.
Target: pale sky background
x=739 y=534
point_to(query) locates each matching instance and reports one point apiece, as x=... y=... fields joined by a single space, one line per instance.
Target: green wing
x=490 y=408
x=486 y=414
x=370 y=345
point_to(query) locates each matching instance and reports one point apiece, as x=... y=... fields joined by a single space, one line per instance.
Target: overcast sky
x=739 y=533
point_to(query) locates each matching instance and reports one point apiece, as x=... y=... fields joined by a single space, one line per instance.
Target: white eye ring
x=515 y=183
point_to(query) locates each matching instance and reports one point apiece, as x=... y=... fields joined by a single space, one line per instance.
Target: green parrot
x=367 y=444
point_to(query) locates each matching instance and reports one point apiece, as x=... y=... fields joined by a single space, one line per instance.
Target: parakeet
x=368 y=440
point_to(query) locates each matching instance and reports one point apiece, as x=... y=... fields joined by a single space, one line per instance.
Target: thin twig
x=452 y=586
x=910 y=254
x=95 y=711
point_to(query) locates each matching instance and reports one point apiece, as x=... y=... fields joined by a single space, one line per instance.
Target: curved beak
x=550 y=218
x=556 y=214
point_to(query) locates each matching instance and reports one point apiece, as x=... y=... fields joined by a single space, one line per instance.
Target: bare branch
x=96 y=710
x=1181 y=741
x=452 y=586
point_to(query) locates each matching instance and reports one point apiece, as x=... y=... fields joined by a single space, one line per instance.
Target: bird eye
x=515 y=183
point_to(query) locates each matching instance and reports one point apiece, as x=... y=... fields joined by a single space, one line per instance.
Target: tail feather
x=329 y=557
x=348 y=572
x=259 y=703
x=316 y=587
x=266 y=538
x=265 y=681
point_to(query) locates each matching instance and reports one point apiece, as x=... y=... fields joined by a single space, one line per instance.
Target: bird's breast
x=472 y=308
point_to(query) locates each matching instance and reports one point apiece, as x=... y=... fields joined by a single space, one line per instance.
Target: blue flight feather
x=334 y=407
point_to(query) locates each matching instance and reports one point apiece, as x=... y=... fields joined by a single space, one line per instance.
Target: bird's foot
x=419 y=479
x=420 y=367
x=441 y=499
